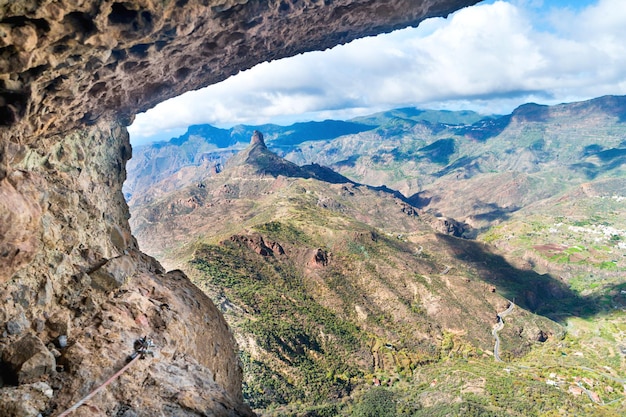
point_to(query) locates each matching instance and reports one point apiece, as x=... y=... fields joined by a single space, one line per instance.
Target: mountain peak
x=257 y=139
x=257 y=159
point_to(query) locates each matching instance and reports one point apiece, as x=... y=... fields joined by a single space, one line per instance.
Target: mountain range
x=384 y=247
x=436 y=158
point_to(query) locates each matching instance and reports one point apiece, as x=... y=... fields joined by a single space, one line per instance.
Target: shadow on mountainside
x=598 y=161
x=544 y=295
x=491 y=212
x=260 y=161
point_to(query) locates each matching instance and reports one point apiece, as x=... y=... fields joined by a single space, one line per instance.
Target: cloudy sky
x=489 y=58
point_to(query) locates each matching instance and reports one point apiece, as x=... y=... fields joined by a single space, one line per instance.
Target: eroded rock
x=20 y=217
x=28 y=360
x=449 y=226
x=90 y=294
x=318 y=258
x=68 y=63
x=256 y=244
x=59 y=324
x=257 y=138
x=27 y=400
x=113 y=274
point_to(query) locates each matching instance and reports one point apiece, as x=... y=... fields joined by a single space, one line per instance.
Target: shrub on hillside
x=376 y=402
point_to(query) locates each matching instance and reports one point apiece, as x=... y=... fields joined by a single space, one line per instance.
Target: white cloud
x=491 y=58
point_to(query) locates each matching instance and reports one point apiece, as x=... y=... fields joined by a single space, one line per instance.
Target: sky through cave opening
x=489 y=58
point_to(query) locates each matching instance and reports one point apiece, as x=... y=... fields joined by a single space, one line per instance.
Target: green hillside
x=333 y=287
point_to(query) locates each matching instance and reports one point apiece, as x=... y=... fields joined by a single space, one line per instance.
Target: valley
x=366 y=262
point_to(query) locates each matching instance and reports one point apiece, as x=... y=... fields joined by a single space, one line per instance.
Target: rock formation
x=257 y=139
x=76 y=291
x=258 y=245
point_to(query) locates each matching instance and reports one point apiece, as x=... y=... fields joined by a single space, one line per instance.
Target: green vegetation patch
x=310 y=341
x=283 y=232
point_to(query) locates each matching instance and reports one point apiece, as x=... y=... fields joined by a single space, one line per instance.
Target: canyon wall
x=76 y=290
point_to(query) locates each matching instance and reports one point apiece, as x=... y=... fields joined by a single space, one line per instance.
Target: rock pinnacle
x=257 y=138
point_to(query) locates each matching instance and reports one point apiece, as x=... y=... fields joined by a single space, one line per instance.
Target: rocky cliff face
x=77 y=294
x=76 y=291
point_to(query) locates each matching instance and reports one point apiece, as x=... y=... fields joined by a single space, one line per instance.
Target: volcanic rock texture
x=76 y=291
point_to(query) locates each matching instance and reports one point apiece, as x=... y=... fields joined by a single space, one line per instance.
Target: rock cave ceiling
x=69 y=63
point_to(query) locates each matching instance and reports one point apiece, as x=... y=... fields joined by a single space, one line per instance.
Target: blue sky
x=490 y=58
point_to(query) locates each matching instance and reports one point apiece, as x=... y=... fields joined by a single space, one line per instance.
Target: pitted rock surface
x=73 y=282
x=66 y=63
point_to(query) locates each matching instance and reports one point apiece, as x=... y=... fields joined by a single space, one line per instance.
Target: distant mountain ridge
x=435 y=158
x=206 y=144
x=154 y=162
x=288 y=135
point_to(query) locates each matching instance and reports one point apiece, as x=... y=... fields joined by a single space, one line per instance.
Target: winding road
x=499 y=326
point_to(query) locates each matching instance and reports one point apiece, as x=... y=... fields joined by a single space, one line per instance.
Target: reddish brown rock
x=114 y=273
x=257 y=138
x=318 y=258
x=255 y=243
x=20 y=223
x=28 y=360
x=59 y=324
x=27 y=400
x=276 y=248
x=449 y=226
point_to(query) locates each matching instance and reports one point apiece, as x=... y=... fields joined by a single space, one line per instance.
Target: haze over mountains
x=330 y=279
x=441 y=160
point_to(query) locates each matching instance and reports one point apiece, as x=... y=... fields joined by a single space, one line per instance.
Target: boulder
x=28 y=360
x=449 y=226
x=318 y=258
x=113 y=274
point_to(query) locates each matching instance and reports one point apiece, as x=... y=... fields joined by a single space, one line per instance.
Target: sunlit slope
x=327 y=282
x=480 y=172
